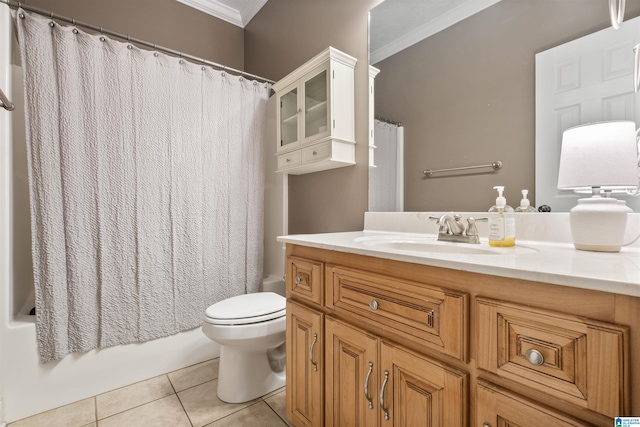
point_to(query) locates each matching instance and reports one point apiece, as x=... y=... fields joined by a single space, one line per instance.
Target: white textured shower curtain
x=146 y=188
x=386 y=186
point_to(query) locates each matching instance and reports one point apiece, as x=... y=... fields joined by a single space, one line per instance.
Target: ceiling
x=395 y=24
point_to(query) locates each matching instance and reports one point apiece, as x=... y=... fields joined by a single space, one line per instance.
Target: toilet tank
x=274 y=284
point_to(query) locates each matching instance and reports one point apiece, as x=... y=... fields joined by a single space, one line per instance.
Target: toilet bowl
x=251 y=332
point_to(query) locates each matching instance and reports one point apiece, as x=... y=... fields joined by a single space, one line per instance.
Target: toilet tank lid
x=248 y=305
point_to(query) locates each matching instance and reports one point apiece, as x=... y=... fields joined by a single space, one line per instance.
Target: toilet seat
x=247 y=309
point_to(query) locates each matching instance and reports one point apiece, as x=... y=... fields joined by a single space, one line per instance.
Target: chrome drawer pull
x=373 y=305
x=534 y=357
x=298 y=280
x=313 y=344
x=366 y=386
x=384 y=383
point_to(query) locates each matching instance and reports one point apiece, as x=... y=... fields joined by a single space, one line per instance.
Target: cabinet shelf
x=290 y=120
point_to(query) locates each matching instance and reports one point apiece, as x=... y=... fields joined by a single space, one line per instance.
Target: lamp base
x=598 y=224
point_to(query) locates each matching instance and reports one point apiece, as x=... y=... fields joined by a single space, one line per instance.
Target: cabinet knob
x=315 y=153
x=373 y=305
x=288 y=160
x=534 y=357
x=486 y=425
x=298 y=280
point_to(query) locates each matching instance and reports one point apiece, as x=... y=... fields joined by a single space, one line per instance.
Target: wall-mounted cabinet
x=316 y=115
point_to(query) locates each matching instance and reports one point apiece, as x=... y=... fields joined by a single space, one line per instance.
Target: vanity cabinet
x=316 y=115
x=305 y=368
x=380 y=342
x=372 y=382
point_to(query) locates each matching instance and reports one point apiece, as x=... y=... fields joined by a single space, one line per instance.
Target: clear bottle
x=525 y=205
x=502 y=225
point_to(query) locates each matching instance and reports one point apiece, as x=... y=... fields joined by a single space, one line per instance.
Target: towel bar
x=5 y=103
x=495 y=165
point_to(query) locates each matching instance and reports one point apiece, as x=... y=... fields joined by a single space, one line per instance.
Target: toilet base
x=245 y=375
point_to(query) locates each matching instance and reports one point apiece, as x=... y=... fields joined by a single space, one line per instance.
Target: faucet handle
x=472 y=230
x=443 y=227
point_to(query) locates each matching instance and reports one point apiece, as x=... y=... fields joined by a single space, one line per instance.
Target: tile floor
x=183 y=398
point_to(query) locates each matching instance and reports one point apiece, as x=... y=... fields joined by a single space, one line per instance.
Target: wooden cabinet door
x=418 y=391
x=351 y=366
x=305 y=279
x=497 y=407
x=577 y=360
x=304 y=366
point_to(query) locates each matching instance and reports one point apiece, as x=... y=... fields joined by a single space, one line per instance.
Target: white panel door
x=587 y=80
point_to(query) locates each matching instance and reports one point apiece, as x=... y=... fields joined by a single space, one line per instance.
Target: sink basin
x=430 y=244
x=452 y=248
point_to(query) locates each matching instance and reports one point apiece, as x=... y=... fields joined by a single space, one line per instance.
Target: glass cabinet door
x=289 y=117
x=316 y=113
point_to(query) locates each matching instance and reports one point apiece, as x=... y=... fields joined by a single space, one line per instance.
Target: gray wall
x=466 y=96
x=283 y=36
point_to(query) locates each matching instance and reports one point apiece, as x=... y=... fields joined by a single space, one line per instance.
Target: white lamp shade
x=599 y=155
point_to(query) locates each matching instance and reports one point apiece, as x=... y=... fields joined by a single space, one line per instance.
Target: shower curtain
x=386 y=179
x=146 y=188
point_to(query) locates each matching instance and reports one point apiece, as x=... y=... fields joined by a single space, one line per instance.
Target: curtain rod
x=388 y=121
x=126 y=37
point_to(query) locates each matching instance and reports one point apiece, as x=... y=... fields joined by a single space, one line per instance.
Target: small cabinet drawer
x=499 y=407
x=289 y=160
x=316 y=152
x=578 y=360
x=423 y=313
x=305 y=279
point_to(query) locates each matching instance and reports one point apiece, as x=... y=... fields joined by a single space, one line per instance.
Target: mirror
x=466 y=93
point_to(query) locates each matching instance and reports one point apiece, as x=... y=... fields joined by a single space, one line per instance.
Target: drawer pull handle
x=373 y=305
x=366 y=386
x=298 y=280
x=384 y=383
x=534 y=357
x=430 y=319
x=288 y=160
x=315 y=153
x=313 y=344
x=486 y=425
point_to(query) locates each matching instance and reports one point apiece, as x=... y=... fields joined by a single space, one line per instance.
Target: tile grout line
x=180 y=400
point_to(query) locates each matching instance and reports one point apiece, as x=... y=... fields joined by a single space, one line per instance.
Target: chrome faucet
x=452 y=229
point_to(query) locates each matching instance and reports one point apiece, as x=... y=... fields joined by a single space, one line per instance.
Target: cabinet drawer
x=316 y=152
x=578 y=360
x=423 y=313
x=289 y=160
x=499 y=407
x=305 y=279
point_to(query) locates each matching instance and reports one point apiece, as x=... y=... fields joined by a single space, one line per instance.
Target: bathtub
x=28 y=387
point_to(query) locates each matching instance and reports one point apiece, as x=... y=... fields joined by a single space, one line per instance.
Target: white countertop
x=543 y=261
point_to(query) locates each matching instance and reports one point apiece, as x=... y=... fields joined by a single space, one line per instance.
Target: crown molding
x=236 y=17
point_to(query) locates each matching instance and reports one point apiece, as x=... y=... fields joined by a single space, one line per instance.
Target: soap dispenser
x=502 y=225
x=525 y=205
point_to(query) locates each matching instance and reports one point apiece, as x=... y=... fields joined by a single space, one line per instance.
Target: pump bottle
x=525 y=205
x=502 y=225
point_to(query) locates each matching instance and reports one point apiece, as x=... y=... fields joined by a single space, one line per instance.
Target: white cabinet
x=316 y=115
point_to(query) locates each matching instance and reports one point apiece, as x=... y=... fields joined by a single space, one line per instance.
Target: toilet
x=251 y=332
